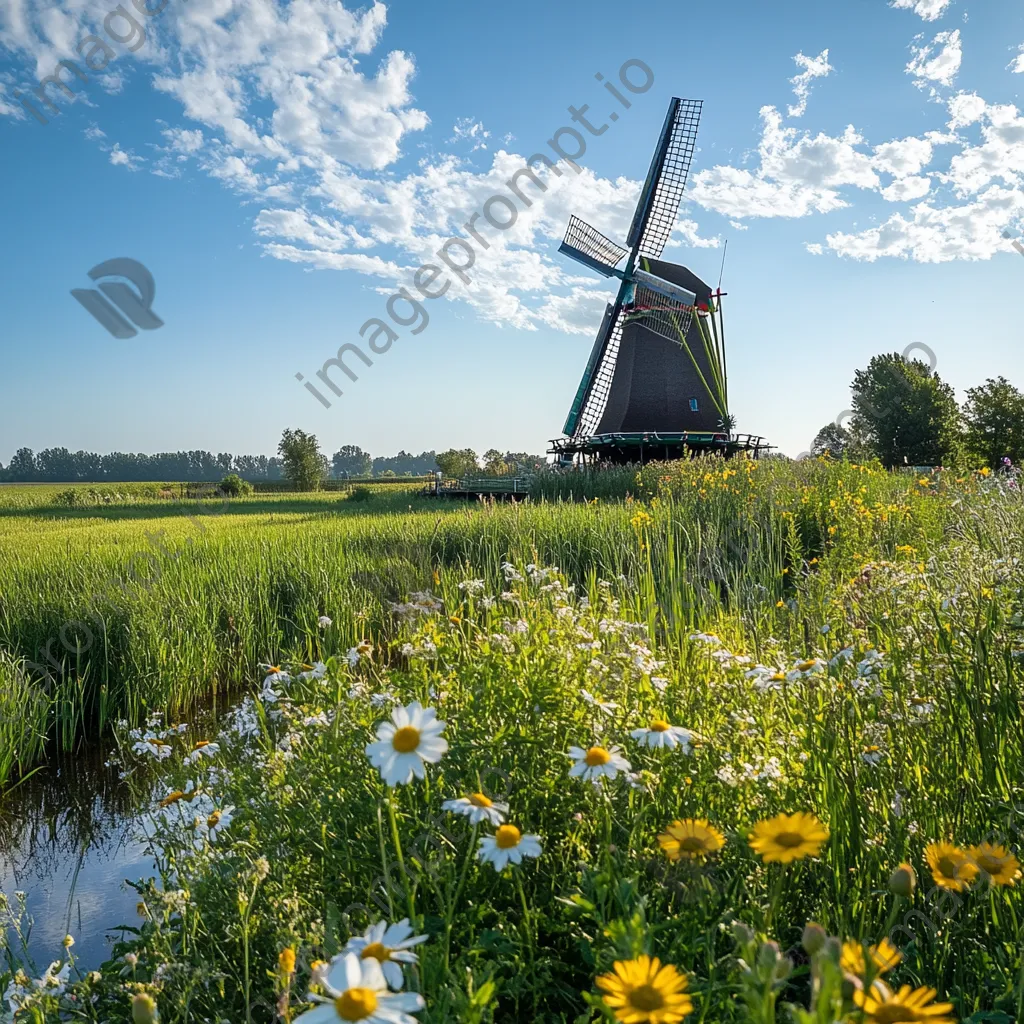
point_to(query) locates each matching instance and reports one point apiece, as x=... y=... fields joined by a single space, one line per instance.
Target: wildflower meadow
x=714 y=741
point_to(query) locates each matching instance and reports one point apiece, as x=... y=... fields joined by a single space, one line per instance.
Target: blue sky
x=283 y=168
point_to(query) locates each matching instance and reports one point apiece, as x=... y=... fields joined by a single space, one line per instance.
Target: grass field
x=825 y=640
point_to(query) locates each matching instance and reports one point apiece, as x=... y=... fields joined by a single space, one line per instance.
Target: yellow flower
x=998 y=865
x=885 y=957
x=951 y=867
x=692 y=839
x=883 y=1006
x=642 y=991
x=144 y=1009
x=788 y=837
x=286 y=960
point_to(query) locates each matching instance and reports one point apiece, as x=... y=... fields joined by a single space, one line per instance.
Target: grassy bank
x=832 y=641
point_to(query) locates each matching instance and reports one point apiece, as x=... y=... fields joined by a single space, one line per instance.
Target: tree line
x=60 y=465
x=903 y=414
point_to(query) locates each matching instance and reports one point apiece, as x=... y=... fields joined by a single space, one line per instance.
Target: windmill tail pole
x=721 y=328
x=716 y=371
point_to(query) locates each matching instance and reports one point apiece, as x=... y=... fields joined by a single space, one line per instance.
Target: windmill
x=656 y=374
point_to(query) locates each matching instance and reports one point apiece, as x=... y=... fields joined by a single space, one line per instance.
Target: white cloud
x=468 y=130
x=125 y=158
x=929 y=10
x=799 y=174
x=1017 y=64
x=966 y=109
x=9 y=107
x=813 y=67
x=937 y=61
x=1000 y=156
x=902 y=157
x=94 y=132
x=903 y=190
x=972 y=231
x=183 y=141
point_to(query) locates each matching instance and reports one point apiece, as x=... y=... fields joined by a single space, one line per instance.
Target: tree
x=906 y=414
x=406 y=464
x=833 y=441
x=22 y=467
x=524 y=462
x=458 y=463
x=350 y=460
x=304 y=465
x=994 y=423
x=494 y=463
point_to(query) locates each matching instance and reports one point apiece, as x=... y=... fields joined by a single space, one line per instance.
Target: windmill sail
x=588 y=246
x=582 y=415
x=663 y=191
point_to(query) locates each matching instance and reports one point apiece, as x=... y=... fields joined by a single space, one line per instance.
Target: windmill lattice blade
x=664 y=316
x=663 y=191
x=588 y=246
x=595 y=398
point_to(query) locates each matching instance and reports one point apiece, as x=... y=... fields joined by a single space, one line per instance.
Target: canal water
x=70 y=836
x=68 y=841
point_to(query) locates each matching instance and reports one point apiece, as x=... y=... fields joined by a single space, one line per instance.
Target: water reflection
x=67 y=839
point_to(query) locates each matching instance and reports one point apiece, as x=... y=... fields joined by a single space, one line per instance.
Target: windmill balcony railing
x=481 y=485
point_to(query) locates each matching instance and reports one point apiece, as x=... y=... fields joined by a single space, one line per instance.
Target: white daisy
x=660 y=734
x=507 y=845
x=804 y=669
x=317 y=671
x=477 y=808
x=705 y=638
x=411 y=738
x=390 y=945
x=362 y=650
x=591 y=764
x=324 y=621
x=358 y=991
x=607 y=706
x=204 y=748
x=275 y=675
x=154 y=745
x=213 y=825
x=871 y=755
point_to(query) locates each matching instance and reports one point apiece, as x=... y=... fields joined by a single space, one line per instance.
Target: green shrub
x=234 y=486
x=69 y=498
x=360 y=494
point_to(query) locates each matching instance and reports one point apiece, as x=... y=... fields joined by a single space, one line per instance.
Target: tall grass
x=24 y=719
x=155 y=606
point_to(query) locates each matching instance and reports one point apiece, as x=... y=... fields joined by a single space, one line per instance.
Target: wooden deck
x=475 y=488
